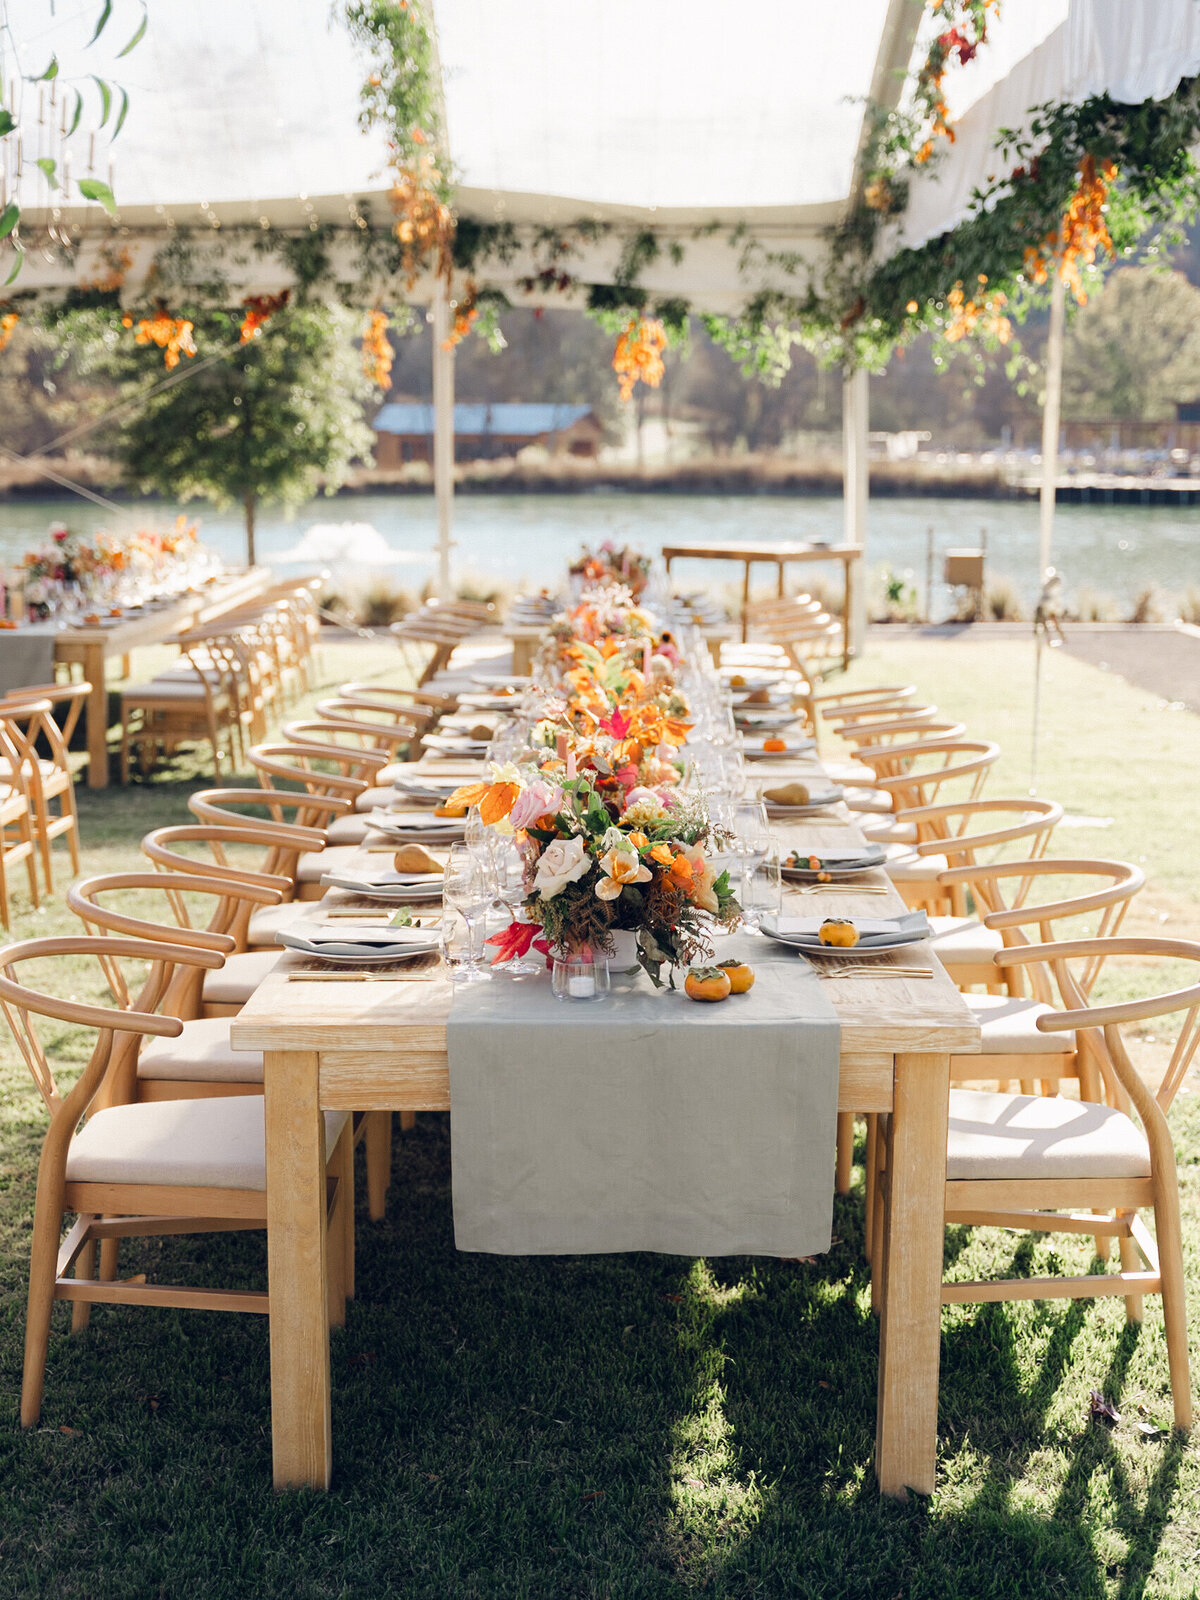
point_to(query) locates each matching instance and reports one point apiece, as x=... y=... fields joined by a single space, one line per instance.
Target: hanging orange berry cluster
x=377 y=350
x=424 y=223
x=1083 y=231
x=8 y=326
x=466 y=314
x=638 y=357
x=259 y=309
x=172 y=335
x=967 y=30
x=982 y=314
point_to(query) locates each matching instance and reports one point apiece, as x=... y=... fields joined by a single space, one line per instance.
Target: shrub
x=1002 y=603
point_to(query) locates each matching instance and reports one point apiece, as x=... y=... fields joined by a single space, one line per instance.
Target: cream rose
x=561 y=863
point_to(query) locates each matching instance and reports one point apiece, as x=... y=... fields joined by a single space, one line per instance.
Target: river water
x=1113 y=551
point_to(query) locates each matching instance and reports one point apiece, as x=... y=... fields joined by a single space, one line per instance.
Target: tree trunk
x=250 y=503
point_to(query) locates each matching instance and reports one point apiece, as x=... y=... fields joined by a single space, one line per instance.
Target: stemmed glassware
x=467 y=890
x=510 y=888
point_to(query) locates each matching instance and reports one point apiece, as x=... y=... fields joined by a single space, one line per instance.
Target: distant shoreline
x=748 y=477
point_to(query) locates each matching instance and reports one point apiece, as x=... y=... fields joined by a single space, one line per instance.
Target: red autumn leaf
x=516 y=940
x=616 y=723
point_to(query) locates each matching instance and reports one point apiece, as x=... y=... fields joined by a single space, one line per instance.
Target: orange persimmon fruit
x=740 y=973
x=707 y=983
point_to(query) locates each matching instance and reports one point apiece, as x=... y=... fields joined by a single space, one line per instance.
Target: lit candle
x=581 y=986
x=571 y=773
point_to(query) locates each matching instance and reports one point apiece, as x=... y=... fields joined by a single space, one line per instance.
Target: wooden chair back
x=963 y=828
x=21 y=1003
x=1003 y=890
x=915 y=774
x=233 y=808
x=305 y=765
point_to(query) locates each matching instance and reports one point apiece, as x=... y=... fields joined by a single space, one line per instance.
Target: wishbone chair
x=51 y=778
x=16 y=817
x=135 y=1170
x=1048 y=1164
x=200 y=1062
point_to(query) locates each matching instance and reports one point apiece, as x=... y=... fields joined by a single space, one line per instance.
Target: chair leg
x=379 y=1162
x=408 y=1121
x=108 y=1258
x=1131 y=1261
x=4 y=913
x=43 y=1270
x=1170 y=1260
x=879 y=1217
x=85 y=1265
x=845 y=1151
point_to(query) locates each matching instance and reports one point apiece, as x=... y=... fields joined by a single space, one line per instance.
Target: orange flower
x=468 y=794
x=663 y=855
x=260 y=307
x=8 y=323
x=498 y=802
x=681 y=870
x=172 y=335
x=638 y=357
x=638 y=840
x=377 y=350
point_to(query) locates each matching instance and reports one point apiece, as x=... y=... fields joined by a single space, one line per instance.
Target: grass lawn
x=635 y=1427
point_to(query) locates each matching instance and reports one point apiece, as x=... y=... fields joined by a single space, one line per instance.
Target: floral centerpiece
x=613 y=563
x=597 y=862
x=93 y=566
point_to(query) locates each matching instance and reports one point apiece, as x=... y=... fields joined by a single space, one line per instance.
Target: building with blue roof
x=485 y=429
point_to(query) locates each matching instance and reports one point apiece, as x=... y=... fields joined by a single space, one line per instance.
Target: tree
x=272 y=420
x=1134 y=350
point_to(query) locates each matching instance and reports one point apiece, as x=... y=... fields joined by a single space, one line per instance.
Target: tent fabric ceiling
x=562 y=109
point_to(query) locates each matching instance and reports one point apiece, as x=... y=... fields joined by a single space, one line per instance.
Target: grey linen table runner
x=645 y=1121
x=26 y=657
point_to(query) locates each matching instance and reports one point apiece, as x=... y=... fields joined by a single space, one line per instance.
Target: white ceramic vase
x=625 y=951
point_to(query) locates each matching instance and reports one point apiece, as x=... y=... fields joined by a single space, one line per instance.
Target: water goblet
x=467 y=890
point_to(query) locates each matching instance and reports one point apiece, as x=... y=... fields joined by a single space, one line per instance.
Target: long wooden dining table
x=358 y=1045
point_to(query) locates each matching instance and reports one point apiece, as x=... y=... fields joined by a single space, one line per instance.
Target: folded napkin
x=838 y=860
x=872 y=931
x=323 y=933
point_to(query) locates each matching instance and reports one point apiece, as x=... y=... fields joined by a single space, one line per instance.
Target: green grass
x=632 y=1427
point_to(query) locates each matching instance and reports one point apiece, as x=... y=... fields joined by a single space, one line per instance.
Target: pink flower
x=536 y=801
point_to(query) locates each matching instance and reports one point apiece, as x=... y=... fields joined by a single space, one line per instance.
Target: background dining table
x=378 y=1044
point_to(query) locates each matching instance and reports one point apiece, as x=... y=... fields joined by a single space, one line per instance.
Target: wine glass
x=752 y=834
x=467 y=890
x=762 y=888
x=510 y=886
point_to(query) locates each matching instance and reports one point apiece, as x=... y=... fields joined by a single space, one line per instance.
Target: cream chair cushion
x=961 y=941
x=1040 y=1136
x=266 y=921
x=886 y=830
x=871 y=802
x=236 y=981
x=351 y=829
x=215 y=1143
x=1009 y=1026
x=369 y=799
x=314 y=864
x=904 y=865
x=201 y=1053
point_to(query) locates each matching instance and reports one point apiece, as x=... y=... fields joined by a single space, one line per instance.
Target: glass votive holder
x=576 y=979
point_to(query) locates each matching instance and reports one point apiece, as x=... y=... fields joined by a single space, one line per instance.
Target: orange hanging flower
x=424 y=224
x=377 y=350
x=465 y=316
x=984 y=314
x=172 y=335
x=1083 y=231
x=259 y=308
x=8 y=325
x=638 y=357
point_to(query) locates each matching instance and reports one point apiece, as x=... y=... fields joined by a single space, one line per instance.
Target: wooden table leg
x=97 y=717
x=911 y=1318
x=301 y=1427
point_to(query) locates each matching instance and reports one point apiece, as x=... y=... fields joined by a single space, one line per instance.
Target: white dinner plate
x=877 y=935
x=793 y=747
x=395 y=888
x=848 y=867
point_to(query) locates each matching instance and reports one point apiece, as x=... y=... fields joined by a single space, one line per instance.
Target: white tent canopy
x=243 y=116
